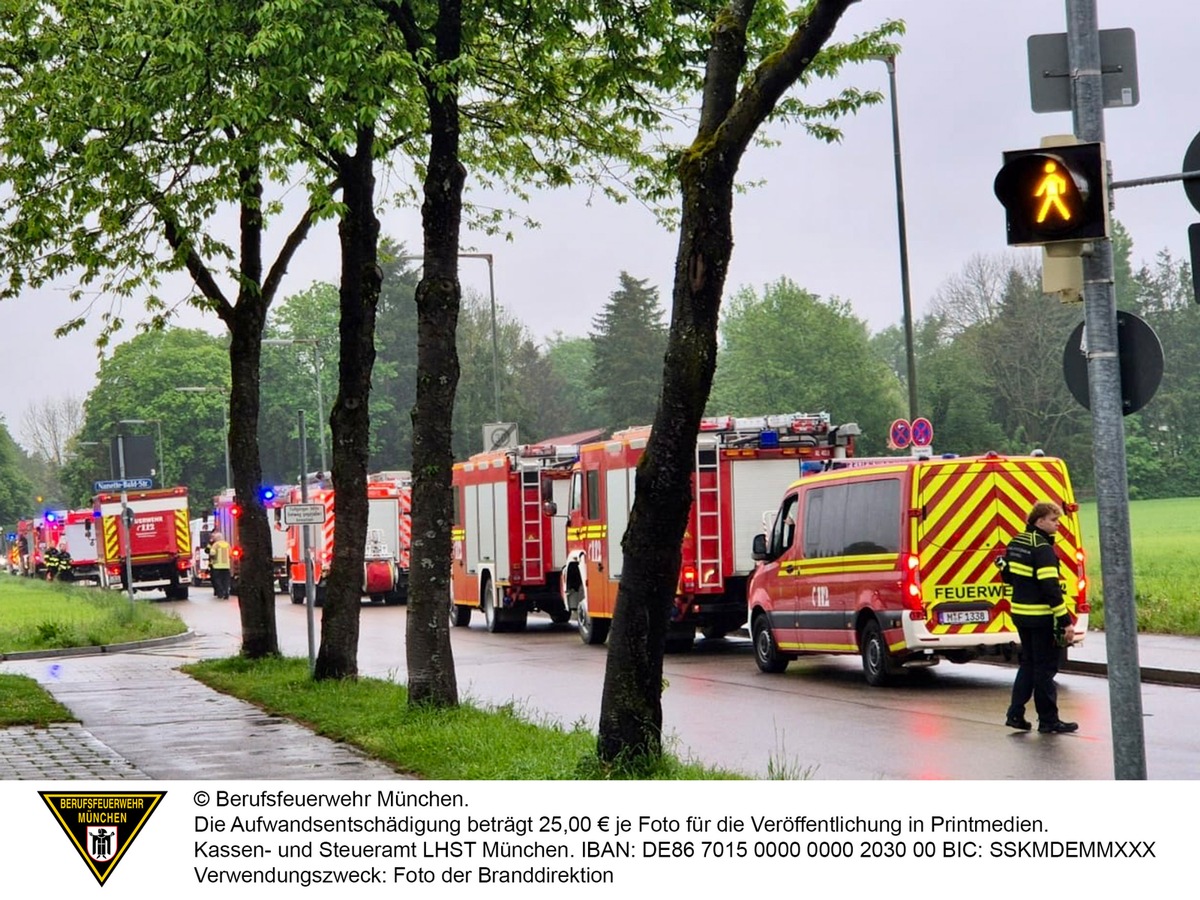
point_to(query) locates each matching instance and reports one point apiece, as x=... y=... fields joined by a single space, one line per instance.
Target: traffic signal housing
x=1054 y=195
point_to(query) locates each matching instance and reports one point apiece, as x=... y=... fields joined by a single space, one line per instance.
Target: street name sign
x=123 y=484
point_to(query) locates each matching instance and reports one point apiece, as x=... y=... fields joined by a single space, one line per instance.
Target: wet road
x=818 y=719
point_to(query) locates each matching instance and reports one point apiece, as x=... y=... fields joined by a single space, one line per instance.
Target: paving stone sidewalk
x=140 y=718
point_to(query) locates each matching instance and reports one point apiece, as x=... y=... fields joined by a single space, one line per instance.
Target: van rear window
x=852 y=519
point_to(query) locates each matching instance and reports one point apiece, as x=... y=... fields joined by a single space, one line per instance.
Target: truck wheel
x=557 y=610
x=297 y=594
x=591 y=631
x=491 y=615
x=877 y=661
x=460 y=615
x=680 y=640
x=766 y=654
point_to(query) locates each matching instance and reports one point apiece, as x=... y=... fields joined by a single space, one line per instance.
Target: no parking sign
x=922 y=432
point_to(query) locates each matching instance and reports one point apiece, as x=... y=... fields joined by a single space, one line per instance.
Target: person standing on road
x=218 y=565
x=1043 y=622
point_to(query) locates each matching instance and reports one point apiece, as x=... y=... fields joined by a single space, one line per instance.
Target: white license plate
x=964 y=617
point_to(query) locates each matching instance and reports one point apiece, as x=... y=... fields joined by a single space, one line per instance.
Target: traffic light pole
x=1108 y=429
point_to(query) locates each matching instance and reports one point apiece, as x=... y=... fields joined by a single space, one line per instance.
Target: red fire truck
x=227 y=518
x=741 y=466
x=389 y=539
x=80 y=540
x=508 y=555
x=156 y=531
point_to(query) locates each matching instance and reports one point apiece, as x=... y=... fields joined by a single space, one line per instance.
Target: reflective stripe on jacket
x=1032 y=568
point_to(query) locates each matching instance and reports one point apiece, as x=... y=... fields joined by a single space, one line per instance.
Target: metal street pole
x=1108 y=429
x=126 y=517
x=905 y=291
x=495 y=340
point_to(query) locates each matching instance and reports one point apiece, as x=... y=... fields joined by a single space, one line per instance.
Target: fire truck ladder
x=531 y=525
x=708 y=512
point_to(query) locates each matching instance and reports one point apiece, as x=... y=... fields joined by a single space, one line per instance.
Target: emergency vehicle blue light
x=768 y=440
x=266 y=494
x=811 y=467
x=51 y=517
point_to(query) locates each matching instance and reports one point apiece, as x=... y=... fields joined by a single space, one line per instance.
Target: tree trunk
x=256 y=589
x=631 y=706
x=350 y=419
x=431 y=677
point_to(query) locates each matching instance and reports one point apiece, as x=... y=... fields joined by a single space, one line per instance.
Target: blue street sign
x=126 y=484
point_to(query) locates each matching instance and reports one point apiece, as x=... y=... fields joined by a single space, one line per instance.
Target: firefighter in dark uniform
x=1043 y=622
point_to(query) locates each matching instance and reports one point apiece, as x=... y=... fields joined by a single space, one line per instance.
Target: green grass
x=24 y=702
x=1165 y=535
x=38 y=615
x=467 y=742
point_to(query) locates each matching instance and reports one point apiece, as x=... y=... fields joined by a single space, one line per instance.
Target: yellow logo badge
x=100 y=824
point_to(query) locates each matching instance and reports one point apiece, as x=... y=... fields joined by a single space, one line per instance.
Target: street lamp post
x=487 y=257
x=315 y=344
x=210 y=389
x=906 y=294
x=162 y=468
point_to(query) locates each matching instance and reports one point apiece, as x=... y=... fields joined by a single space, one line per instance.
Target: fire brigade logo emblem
x=101 y=825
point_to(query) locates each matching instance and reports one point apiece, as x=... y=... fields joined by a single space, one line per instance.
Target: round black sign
x=1141 y=363
x=1191 y=163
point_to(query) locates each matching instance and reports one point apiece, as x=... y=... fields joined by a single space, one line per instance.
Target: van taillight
x=689 y=579
x=910 y=586
x=1081 y=601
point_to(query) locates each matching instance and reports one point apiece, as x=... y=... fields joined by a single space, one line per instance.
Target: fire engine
x=227 y=518
x=507 y=555
x=79 y=539
x=740 y=467
x=39 y=534
x=892 y=559
x=388 y=546
x=155 y=529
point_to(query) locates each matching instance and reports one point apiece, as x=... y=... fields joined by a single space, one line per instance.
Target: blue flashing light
x=768 y=440
x=811 y=467
x=51 y=517
x=266 y=494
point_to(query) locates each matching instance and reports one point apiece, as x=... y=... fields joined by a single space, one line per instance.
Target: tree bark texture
x=350 y=420
x=430 y=660
x=631 y=721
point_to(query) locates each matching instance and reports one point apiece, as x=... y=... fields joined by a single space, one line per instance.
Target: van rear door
x=968 y=509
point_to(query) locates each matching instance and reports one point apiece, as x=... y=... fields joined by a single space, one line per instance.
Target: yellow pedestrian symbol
x=1051 y=188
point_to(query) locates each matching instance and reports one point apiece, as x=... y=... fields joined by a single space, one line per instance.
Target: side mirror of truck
x=550 y=508
x=759 y=549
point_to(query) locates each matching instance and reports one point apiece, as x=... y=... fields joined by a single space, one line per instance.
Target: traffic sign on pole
x=922 y=432
x=899 y=435
x=304 y=514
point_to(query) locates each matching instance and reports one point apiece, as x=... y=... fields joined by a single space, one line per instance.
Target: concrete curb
x=126 y=647
x=1149 y=675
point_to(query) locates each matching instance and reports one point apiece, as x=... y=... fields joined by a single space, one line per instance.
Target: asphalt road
x=819 y=718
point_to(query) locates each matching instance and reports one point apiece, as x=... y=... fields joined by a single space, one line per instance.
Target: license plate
x=964 y=617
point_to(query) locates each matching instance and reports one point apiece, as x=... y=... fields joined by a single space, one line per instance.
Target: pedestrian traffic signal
x=1054 y=194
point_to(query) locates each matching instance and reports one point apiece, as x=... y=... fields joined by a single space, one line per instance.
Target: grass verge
x=24 y=702
x=464 y=743
x=1166 y=567
x=39 y=615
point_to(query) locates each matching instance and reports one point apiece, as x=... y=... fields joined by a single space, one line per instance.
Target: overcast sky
x=826 y=217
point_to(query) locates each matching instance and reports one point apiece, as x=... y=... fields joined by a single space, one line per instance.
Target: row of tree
x=989 y=357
